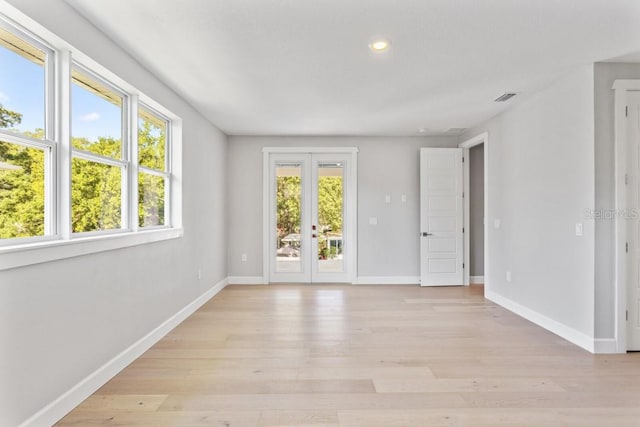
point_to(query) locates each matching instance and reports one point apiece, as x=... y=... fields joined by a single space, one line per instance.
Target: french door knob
x=425 y=234
x=313 y=236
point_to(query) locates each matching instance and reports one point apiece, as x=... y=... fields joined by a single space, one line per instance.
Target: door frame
x=620 y=88
x=483 y=138
x=350 y=204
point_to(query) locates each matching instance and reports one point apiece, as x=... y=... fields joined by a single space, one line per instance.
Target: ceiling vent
x=504 y=97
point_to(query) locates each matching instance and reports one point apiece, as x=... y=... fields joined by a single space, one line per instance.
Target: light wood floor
x=328 y=355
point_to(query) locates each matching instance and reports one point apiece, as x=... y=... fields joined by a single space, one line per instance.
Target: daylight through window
x=81 y=152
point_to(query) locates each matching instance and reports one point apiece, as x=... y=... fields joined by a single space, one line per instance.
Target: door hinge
x=626 y=247
x=626 y=111
x=463 y=229
x=463 y=265
x=462 y=159
x=626 y=314
x=463 y=194
x=626 y=179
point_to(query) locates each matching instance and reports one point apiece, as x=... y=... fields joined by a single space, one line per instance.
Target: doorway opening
x=310 y=201
x=476 y=214
x=476 y=210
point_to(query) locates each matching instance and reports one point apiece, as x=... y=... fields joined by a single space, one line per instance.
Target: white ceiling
x=303 y=67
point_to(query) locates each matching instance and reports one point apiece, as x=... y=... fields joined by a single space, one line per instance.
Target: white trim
x=620 y=279
x=572 y=335
x=605 y=346
x=36 y=253
x=388 y=280
x=57 y=409
x=483 y=138
x=310 y=150
x=624 y=85
x=246 y=280
x=476 y=280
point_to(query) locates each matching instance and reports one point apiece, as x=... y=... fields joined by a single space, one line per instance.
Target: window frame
x=49 y=144
x=124 y=163
x=166 y=174
x=59 y=241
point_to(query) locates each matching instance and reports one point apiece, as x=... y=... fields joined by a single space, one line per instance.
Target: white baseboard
x=606 y=346
x=576 y=337
x=246 y=280
x=388 y=280
x=476 y=280
x=57 y=409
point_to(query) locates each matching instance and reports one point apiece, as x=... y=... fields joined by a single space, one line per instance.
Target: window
x=82 y=153
x=153 y=175
x=25 y=151
x=99 y=164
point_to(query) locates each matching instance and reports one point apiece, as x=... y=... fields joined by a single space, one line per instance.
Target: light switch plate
x=373 y=220
x=496 y=224
x=387 y=199
x=404 y=198
x=579 y=229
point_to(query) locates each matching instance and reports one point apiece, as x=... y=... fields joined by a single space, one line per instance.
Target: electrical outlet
x=387 y=199
x=244 y=258
x=403 y=198
x=508 y=276
x=199 y=274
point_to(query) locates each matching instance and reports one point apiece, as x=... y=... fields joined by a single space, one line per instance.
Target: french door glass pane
x=288 y=217
x=96 y=196
x=330 y=217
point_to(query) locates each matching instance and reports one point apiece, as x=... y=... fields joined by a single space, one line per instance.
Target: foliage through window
x=152 y=148
x=24 y=152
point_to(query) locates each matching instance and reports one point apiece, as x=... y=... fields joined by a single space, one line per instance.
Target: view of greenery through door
x=330 y=212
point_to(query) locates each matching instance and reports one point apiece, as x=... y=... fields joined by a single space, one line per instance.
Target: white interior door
x=441 y=217
x=311 y=218
x=633 y=197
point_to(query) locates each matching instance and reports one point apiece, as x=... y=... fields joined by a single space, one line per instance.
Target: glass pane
x=96 y=117
x=96 y=196
x=150 y=200
x=22 y=86
x=22 y=191
x=288 y=216
x=330 y=217
x=152 y=134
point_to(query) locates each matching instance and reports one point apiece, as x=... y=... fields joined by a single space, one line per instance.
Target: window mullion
x=86 y=155
x=153 y=172
x=133 y=163
x=63 y=133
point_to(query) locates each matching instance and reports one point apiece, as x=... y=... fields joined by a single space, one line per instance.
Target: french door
x=311 y=202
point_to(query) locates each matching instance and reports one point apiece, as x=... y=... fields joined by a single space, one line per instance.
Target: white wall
x=62 y=320
x=386 y=166
x=541 y=180
x=605 y=75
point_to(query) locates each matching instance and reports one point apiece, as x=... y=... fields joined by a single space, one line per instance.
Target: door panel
x=441 y=217
x=290 y=246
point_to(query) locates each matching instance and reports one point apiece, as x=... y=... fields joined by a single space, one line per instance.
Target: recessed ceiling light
x=422 y=130
x=379 y=45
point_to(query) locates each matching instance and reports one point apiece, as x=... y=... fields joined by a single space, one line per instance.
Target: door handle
x=425 y=234
x=313 y=236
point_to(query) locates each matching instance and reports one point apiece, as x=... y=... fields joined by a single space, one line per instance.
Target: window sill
x=36 y=253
